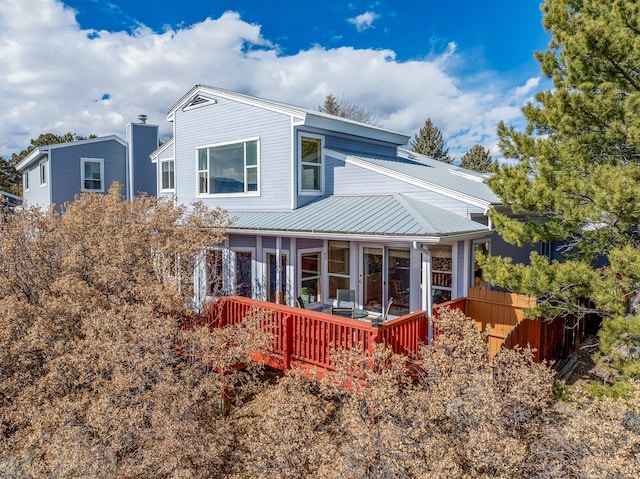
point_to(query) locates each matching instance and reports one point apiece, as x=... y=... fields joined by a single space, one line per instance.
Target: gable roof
x=158 y=151
x=38 y=153
x=374 y=217
x=300 y=115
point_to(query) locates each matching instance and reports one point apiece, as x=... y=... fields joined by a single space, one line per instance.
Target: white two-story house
x=322 y=203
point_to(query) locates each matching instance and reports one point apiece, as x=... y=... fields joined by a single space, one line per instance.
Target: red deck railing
x=305 y=338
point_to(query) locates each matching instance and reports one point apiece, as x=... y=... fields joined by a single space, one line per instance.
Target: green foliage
x=9 y=178
x=560 y=391
x=618 y=390
x=428 y=141
x=577 y=179
x=477 y=159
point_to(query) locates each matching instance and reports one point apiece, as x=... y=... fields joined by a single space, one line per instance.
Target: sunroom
x=385 y=249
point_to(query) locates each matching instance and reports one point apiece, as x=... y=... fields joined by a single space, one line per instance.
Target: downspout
x=427 y=297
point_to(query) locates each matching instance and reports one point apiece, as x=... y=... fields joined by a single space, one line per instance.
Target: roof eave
x=430 y=239
x=35 y=155
x=348 y=127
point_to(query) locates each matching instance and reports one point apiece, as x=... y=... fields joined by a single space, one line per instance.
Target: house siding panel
x=38 y=195
x=242 y=241
x=359 y=147
x=65 y=167
x=309 y=243
x=228 y=121
x=143 y=140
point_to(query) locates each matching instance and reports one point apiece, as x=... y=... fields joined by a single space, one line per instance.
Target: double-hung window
x=228 y=168
x=167 y=180
x=310 y=158
x=92 y=173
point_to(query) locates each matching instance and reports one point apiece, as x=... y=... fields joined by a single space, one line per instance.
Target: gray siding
x=520 y=254
x=143 y=140
x=228 y=121
x=308 y=243
x=358 y=146
x=65 y=171
x=242 y=241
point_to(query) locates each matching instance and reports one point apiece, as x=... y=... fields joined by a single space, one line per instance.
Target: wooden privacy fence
x=304 y=338
x=504 y=313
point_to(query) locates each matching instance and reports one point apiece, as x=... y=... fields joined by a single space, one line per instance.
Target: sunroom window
x=228 y=168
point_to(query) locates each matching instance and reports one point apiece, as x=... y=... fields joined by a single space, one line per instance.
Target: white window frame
x=320 y=295
x=25 y=181
x=221 y=195
x=162 y=162
x=300 y=164
x=43 y=173
x=84 y=161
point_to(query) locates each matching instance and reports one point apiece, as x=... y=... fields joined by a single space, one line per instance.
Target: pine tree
x=579 y=168
x=429 y=142
x=9 y=178
x=477 y=159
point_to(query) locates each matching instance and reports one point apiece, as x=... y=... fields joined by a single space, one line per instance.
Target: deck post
x=288 y=327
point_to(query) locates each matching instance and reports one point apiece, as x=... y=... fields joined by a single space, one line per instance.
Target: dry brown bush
x=91 y=387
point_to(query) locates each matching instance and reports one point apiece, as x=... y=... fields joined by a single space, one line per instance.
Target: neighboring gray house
x=54 y=174
x=323 y=203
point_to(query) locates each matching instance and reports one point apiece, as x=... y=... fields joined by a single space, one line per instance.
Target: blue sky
x=90 y=66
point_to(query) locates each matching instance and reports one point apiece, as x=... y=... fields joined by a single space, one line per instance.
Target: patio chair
x=346 y=298
x=384 y=316
x=344 y=312
x=300 y=302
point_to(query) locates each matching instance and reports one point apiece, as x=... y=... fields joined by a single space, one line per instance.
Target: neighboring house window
x=311 y=156
x=228 y=168
x=25 y=181
x=167 y=169
x=310 y=276
x=43 y=173
x=92 y=174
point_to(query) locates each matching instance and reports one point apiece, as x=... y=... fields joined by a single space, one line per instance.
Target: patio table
x=357 y=313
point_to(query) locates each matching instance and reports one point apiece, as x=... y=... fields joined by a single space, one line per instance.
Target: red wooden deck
x=304 y=338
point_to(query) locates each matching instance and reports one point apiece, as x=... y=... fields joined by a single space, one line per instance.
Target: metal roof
x=380 y=216
x=433 y=174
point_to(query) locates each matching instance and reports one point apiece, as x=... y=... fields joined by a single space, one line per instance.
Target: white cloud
x=363 y=21
x=57 y=77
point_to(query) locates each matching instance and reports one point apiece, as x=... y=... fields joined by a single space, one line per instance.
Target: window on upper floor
x=168 y=174
x=43 y=173
x=311 y=160
x=25 y=181
x=230 y=168
x=92 y=174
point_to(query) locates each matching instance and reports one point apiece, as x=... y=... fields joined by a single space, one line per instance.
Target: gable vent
x=199 y=101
